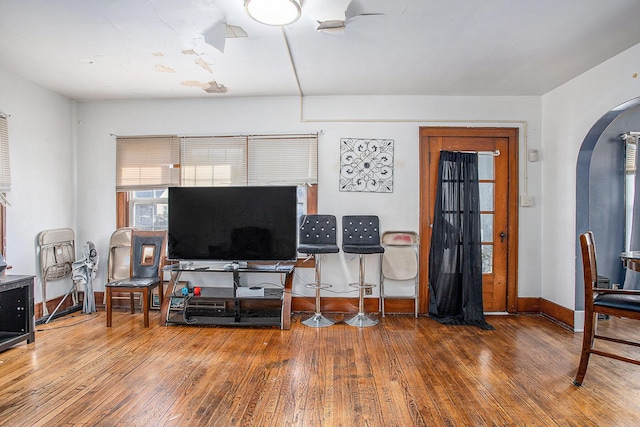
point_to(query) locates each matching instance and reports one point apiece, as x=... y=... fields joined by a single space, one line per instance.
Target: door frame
x=426 y=210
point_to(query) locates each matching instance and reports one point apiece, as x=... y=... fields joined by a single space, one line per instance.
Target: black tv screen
x=232 y=223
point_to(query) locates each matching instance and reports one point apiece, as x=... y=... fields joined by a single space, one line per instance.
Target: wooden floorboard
x=402 y=372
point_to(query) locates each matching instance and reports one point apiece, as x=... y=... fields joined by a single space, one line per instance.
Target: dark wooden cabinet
x=16 y=311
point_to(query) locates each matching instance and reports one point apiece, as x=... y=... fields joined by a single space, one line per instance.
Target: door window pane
x=486 y=228
x=486 y=196
x=485 y=166
x=487 y=259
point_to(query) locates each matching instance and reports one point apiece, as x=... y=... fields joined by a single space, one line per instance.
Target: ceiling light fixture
x=273 y=12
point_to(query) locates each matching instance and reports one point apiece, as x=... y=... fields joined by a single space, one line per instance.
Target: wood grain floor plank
x=402 y=372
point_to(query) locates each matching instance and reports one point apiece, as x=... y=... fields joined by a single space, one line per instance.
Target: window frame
x=5 y=180
x=123 y=205
x=3 y=230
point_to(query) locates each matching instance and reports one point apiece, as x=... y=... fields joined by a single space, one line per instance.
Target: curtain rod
x=255 y=135
x=142 y=136
x=494 y=153
x=275 y=135
x=630 y=135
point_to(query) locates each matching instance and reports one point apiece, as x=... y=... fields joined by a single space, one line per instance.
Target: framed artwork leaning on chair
x=146 y=258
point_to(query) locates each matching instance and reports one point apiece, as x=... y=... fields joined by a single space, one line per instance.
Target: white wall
x=568 y=113
x=48 y=154
x=397 y=118
x=42 y=154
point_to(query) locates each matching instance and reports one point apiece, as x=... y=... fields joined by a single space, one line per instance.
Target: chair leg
x=161 y=292
x=318 y=320
x=381 y=305
x=590 y=320
x=132 y=302
x=108 y=305
x=145 y=306
x=361 y=319
x=417 y=298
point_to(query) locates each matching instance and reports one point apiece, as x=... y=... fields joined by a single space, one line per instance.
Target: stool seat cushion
x=362 y=249
x=318 y=248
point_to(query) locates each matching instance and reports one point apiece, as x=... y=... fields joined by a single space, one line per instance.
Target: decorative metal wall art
x=366 y=165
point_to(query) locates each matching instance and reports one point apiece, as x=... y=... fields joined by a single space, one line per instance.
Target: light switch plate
x=526 y=201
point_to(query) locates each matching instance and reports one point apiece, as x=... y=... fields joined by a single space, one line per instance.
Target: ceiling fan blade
x=357 y=8
x=235 y=32
x=216 y=35
x=333 y=26
x=220 y=31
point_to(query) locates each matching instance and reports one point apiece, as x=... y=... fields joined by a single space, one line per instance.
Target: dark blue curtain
x=455 y=259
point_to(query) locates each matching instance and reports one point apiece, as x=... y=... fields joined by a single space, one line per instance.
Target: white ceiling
x=112 y=49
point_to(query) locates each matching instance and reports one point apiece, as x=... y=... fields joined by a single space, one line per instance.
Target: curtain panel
x=455 y=258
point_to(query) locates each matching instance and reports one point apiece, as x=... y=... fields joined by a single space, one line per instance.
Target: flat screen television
x=232 y=224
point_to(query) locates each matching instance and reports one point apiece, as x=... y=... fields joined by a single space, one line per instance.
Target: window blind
x=5 y=169
x=213 y=161
x=147 y=162
x=283 y=159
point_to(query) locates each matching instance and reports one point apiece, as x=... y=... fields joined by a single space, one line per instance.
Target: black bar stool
x=361 y=235
x=317 y=237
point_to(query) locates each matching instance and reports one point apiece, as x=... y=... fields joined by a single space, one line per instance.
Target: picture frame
x=366 y=165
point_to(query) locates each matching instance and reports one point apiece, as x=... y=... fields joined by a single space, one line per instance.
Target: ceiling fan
x=355 y=9
x=216 y=35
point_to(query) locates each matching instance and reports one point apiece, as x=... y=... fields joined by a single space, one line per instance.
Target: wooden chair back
x=589 y=264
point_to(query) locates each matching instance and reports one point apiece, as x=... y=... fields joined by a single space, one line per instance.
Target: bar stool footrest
x=315 y=285
x=364 y=285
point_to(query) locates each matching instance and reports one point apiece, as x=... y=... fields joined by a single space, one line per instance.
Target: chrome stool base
x=361 y=320
x=318 y=321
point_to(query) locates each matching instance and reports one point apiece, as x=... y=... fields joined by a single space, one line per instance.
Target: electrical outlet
x=368 y=291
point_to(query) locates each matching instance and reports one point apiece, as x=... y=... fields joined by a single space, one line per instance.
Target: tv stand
x=227 y=306
x=235 y=266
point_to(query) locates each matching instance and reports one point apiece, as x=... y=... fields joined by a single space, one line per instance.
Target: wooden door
x=497 y=160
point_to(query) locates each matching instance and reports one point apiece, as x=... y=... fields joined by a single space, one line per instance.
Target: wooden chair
x=612 y=302
x=147 y=253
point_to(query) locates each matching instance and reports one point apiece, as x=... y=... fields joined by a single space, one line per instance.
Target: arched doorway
x=600 y=182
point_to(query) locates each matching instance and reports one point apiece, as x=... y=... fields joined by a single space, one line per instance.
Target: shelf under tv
x=226 y=306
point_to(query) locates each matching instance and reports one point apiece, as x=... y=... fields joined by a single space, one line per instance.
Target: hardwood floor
x=403 y=372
